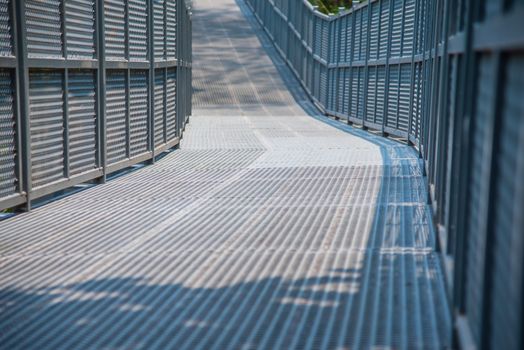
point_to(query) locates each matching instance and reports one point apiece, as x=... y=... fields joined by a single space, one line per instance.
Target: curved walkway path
x=271 y=227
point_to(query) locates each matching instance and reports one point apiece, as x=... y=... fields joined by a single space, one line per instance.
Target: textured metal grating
x=357 y=36
x=393 y=97
x=404 y=96
x=115 y=29
x=116 y=111
x=417 y=97
x=324 y=40
x=479 y=189
x=381 y=90
x=354 y=97
x=171 y=29
x=6 y=36
x=384 y=28
x=138 y=112
x=8 y=151
x=371 y=94
x=171 y=117
x=160 y=103
x=43 y=28
x=409 y=27
x=159 y=32
x=509 y=241
x=82 y=121
x=80 y=28
x=365 y=32
x=341 y=90
x=46 y=103
x=374 y=31
x=138 y=39
x=396 y=28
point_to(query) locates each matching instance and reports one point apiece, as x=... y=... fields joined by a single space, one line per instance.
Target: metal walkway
x=270 y=228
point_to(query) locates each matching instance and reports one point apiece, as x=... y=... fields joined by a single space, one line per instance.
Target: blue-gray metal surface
x=446 y=75
x=270 y=228
x=60 y=124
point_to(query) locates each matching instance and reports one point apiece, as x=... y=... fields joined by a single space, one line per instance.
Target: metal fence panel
x=82 y=120
x=8 y=181
x=77 y=86
x=46 y=101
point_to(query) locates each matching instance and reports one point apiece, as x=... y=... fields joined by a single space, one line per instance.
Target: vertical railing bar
x=23 y=82
x=128 y=110
x=397 y=124
x=442 y=115
x=366 y=77
x=101 y=90
x=379 y=30
x=65 y=86
x=351 y=68
x=152 y=76
x=412 y=82
x=15 y=79
x=388 y=55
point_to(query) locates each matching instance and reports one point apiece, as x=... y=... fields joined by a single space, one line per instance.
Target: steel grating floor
x=271 y=228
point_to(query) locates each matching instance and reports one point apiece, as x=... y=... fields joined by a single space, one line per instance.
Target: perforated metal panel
x=116 y=115
x=371 y=94
x=393 y=96
x=357 y=35
x=384 y=28
x=404 y=97
x=396 y=28
x=159 y=32
x=509 y=198
x=43 y=28
x=46 y=103
x=138 y=38
x=82 y=121
x=8 y=151
x=80 y=28
x=364 y=33
x=381 y=90
x=6 y=38
x=340 y=90
x=115 y=18
x=323 y=86
x=417 y=101
x=159 y=106
x=374 y=31
x=354 y=98
x=171 y=117
x=479 y=186
x=409 y=27
x=138 y=112
x=171 y=29
x=325 y=40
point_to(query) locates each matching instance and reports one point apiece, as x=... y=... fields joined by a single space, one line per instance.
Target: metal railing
x=88 y=87
x=448 y=77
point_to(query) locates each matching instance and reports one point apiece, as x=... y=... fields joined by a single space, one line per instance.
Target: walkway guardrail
x=446 y=76
x=87 y=88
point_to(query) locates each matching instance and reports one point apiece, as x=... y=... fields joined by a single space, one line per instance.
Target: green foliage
x=331 y=6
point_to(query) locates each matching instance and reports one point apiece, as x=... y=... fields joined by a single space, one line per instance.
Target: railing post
x=388 y=56
x=366 y=76
x=151 y=94
x=101 y=91
x=24 y=110
x=152 y=75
